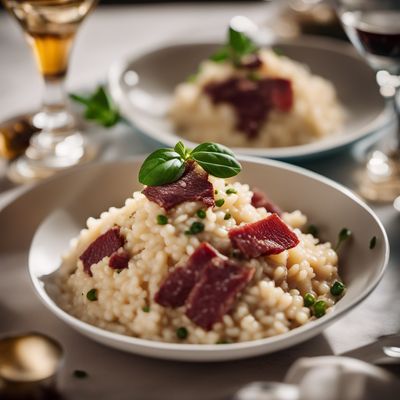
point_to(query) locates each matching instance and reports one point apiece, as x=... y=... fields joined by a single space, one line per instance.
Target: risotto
x=212 y=106
x=122 y=291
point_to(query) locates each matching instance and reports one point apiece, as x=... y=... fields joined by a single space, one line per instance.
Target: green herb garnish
x=309 y=299
x=312 y=230
x=201 y=213
x=182 y=333
x=91 y=295
x=215 y=191
x=99 y=107
x=78 y=373
x=168 y=165
x=227 y=216
x=146 y=309
x=254 y=76
x=372 y=242
x=223 y=341
x=219 y=202
x=230 y=191
x=195 y=228
x=344 y=234
x=337 y=288
x=162 y=219
x=278 y=51
x=237 y=45
x=319 y=308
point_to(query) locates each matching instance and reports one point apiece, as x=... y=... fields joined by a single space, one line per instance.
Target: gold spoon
x=29 y=365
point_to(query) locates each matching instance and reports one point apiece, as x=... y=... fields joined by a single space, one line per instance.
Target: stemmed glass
x=373 y=27
x=50 y=27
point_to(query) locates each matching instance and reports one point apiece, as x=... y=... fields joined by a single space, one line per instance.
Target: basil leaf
x=216 y=159
x=182 y=150
x=240 y=43
x=99 y=107
x=161 y=167
x=221 y=55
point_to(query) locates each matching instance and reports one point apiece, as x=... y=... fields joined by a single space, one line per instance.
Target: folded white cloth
x=327 y=378
x=341 y=378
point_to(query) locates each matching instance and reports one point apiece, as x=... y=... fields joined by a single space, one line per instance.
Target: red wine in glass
x=376 y=35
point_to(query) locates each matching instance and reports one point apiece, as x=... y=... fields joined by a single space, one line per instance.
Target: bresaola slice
x=214 y=294
x=192 y=186
x=252 y=100
x=119 y=260
x=176 y=288
x=261 y=200
x=105 y=245
x=265 y=237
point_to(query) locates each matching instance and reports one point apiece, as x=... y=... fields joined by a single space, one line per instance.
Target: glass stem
x=55 y=118
x=396 y=105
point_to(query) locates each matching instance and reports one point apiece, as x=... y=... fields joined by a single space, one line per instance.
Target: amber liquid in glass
x=50 y=26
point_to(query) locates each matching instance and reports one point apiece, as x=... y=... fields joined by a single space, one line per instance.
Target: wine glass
x=50 y=27
x=373 y=26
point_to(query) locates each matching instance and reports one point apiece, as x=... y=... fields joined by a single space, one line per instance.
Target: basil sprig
x=238 y=45
x=168 y=165
x=99 y=107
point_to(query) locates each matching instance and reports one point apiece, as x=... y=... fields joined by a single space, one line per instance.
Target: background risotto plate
x=65 y=202
x=143 y=87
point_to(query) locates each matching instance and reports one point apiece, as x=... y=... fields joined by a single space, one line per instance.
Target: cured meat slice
x=119 y=260
x=192 y=186
x=214 y=294
x=176 y=288
x=277 y=93
x=105 y=245
x=265 y=237
x=260 y=199
x=252 y=100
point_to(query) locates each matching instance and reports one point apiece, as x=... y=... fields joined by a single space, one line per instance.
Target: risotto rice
x=315 y=113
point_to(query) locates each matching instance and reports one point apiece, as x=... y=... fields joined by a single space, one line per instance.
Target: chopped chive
x=162 y=219
x=231 y=191
x=196 y=227
x=254 y=76
x=278 y=51
x=201 y=213
x=319 y=308
x=182 y=333
x=312 y=230
x=223 y=341
x=309 y=299
x=78 y=373
x=372 y=243
x=337 y=288
x=146 y=309
x=227 y=216
x=344 y=234
x=236 y=253
x=215 y=191
x=219 y=202
x=92 y=295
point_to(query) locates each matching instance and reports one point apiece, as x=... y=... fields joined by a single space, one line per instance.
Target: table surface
x=110 y=33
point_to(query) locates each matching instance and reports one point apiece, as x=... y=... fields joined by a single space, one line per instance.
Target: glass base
x=380 y=179
x=48 y=154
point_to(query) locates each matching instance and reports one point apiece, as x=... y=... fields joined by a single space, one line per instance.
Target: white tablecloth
x=108 y=34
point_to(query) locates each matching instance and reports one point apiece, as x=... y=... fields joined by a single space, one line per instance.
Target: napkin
x=341 y=378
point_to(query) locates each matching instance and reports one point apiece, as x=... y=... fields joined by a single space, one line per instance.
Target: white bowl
x=143 y=86
x=68 y=200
